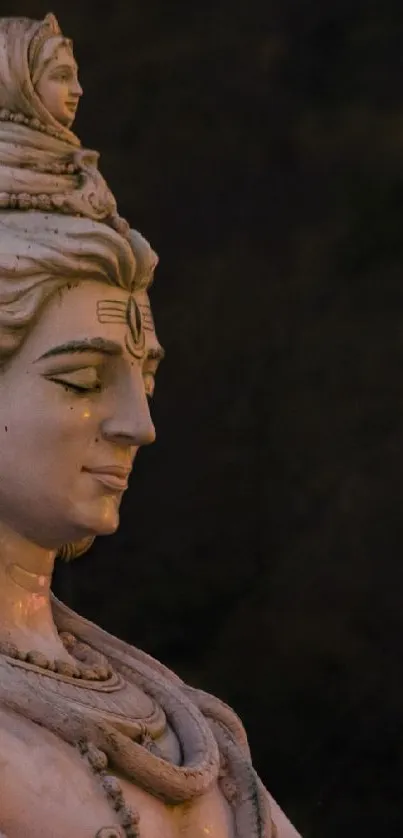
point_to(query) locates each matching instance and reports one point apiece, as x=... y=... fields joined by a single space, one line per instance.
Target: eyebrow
x=64 y=67
x=105 y=347
x=156 y=354
x=101 y=345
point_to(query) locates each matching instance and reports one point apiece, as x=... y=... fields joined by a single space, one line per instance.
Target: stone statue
x=96 y=737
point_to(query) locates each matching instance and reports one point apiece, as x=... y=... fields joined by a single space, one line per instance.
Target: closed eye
x=62 y=76
x=76 y=388
x=80 y=381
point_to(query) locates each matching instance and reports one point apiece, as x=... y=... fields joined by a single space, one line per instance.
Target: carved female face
x=59 y=88
x=74 y=411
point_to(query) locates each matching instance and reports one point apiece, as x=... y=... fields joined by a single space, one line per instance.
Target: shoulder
x=70 y=621
x=220 y=716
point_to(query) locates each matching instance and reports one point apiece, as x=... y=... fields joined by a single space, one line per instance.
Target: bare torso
x=46 y=786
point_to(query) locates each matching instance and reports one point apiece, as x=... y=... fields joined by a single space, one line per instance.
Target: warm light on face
x=77 y=411
x=59 y=88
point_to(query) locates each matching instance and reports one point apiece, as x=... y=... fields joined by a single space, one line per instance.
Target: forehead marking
x=146 y=313
x=138 y=319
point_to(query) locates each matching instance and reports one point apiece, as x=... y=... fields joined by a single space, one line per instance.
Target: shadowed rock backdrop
x=259 y=146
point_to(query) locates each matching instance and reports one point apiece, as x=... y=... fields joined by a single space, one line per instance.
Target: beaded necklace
x=91 y=670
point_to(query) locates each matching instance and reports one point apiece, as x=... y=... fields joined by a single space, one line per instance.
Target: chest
x=47 y=791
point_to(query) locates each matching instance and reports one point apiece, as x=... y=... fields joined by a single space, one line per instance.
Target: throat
x=26 y=619
x=33 y=583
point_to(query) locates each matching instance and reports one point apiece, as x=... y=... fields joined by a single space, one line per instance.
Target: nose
x=76 y=88
x=129 y=421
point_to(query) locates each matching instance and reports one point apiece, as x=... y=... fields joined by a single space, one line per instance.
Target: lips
x=115 y=477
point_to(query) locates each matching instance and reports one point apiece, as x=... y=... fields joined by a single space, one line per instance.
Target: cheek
x=54 y=94
x=67 y=428
x=76 y=422
x=58 y=93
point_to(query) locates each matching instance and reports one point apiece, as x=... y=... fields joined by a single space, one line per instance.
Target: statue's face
x=74 y=411
x=59 y=88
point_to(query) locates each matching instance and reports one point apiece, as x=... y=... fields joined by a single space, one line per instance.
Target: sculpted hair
x=42 y=253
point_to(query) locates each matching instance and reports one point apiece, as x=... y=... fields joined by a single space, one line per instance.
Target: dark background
x=259 y=146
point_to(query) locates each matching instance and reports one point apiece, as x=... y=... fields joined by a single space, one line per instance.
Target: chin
x=79 y=520
x=68 y=119
x=102 y=519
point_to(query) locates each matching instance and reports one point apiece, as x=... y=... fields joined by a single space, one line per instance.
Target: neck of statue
x=25 y=612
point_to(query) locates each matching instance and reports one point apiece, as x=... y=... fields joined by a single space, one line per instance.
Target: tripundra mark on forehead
x=136 y=316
